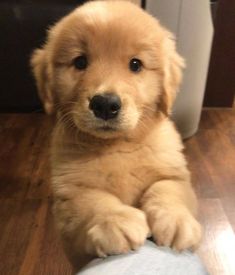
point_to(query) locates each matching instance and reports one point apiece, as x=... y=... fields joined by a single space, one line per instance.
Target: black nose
x=105 y=106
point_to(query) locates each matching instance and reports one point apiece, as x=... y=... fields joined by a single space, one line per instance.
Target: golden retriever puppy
x=110 y=72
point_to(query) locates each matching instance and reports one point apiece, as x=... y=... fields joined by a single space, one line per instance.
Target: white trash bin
x=191 y=22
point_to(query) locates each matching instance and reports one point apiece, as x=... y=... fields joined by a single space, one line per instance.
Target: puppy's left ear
x=172 y=75
x=41 y=73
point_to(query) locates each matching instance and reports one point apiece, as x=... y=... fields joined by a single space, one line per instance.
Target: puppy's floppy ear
x=39 y=66
x=172 y=75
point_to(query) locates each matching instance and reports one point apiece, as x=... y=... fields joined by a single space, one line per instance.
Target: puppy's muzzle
x=106 y=106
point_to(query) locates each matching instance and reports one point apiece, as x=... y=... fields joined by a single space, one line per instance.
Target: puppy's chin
x=106 y=133
x=105 y=130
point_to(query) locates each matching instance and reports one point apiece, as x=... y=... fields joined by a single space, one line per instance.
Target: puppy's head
x=106 y=67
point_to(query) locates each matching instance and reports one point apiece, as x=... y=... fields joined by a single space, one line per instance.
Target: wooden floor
x=28 y=243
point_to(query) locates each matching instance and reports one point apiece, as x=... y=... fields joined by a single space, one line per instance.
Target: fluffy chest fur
x=125 y=169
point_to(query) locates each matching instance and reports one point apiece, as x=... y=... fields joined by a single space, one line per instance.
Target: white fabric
x=148 y=260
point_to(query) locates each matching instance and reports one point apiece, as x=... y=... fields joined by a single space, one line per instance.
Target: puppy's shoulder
x=165 y=136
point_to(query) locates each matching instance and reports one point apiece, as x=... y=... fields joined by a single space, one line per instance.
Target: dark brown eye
x=135 y=65
x=80 y=62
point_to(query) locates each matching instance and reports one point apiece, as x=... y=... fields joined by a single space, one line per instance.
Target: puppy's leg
x=94 y=222
x=170 y=207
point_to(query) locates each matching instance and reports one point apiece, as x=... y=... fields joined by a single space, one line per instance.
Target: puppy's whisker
x=65 y=118
x=143 y=126
x=149 y=108
x=65 y=105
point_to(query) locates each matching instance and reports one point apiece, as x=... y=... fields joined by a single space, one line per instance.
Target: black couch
x=23 y=27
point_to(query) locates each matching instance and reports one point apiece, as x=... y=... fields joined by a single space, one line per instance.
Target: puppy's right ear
x=39 y=66
x=173 y=66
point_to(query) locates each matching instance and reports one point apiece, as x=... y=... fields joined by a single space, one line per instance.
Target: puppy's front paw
x=117 y=233
x=176 y=228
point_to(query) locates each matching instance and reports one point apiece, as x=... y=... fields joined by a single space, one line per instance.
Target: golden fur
x=113 y=188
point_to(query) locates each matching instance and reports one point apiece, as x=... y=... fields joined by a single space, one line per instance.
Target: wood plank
x=25 y=146
x=201 y=178
x=218 y=151
x=33 y=249
x=218 y=246
x=16 y=233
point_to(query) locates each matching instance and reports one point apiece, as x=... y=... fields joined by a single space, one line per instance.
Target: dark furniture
x=23 y=27
x=220 y=88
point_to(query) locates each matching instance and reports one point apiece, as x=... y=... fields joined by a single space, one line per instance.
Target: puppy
x=110 y=72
